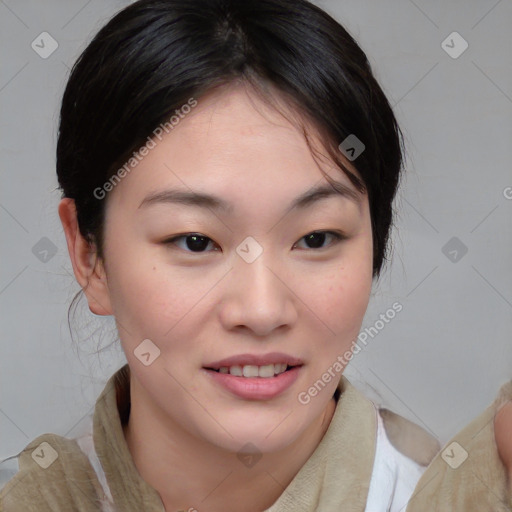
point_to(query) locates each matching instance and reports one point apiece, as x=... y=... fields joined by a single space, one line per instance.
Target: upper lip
x=255 y=360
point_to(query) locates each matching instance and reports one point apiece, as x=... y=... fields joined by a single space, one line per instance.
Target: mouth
x=250 y=387
x=252 y=371
x=255 y=377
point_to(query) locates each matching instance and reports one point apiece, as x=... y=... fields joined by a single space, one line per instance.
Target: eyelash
x=338 y=237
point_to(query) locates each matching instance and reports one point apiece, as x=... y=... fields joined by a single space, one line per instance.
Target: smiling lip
x=255 y=360
x=256 y=388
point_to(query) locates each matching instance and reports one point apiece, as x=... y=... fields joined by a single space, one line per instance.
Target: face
x=263 y=279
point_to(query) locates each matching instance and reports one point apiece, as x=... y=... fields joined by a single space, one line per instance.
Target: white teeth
x=236 y=370
x=250 y=370
x=266 y=371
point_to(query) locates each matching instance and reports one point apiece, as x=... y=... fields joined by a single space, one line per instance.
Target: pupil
x=198 y=242
x=317 y=239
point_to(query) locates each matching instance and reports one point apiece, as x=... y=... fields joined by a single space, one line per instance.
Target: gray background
x=439 y=362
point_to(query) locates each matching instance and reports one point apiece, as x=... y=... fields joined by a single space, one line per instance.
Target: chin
x=267 y=435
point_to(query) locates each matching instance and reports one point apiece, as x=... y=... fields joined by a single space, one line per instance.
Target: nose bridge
x=259 y=299
x=257 y=282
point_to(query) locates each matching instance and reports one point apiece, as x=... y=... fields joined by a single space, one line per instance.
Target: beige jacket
x=56 y=475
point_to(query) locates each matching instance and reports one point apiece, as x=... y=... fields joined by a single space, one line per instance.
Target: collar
x=337 y=473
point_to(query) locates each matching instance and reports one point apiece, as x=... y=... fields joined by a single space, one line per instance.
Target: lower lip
x=256 y=388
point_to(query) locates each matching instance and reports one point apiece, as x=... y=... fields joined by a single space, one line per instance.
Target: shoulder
x=51 y=469
x=468 y=473
x=502 y=433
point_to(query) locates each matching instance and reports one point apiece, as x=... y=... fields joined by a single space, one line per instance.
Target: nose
x=258 y=296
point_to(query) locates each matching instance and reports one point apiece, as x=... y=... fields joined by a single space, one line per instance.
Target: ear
x=87 y=267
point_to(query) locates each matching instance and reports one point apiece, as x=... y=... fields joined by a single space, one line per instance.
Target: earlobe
x=88 y=268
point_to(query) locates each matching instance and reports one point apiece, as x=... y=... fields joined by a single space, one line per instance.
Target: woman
x=205 y=150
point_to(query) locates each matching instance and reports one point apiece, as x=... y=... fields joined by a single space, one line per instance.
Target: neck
x=195 y=474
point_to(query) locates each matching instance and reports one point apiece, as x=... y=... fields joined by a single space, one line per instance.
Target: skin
x=198 y=307
x=503 y=435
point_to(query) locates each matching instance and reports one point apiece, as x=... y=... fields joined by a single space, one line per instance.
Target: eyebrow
x=209 y=201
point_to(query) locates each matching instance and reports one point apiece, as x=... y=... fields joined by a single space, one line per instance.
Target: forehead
x=232 y=143
x=236 y=117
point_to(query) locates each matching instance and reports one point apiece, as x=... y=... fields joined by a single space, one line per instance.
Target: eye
x=198 y=243
x=316 y=239
x=194 y=242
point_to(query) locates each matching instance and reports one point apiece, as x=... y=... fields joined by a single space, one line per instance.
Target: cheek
x=143 y=296
x=347 y=292
x=345 y=303
x=148 y=302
